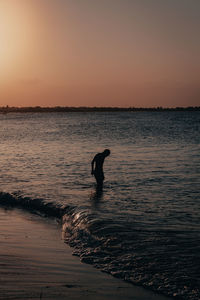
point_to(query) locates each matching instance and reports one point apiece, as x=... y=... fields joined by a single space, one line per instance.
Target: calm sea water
x=145 y=226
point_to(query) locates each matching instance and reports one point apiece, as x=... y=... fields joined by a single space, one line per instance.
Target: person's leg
x=99 y=179
x=99 y=184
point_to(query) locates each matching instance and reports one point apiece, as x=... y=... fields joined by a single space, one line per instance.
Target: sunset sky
x=100 y=53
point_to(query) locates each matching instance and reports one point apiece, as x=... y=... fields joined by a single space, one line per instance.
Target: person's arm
x=92 y=165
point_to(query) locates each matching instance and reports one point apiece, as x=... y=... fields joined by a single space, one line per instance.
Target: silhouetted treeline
x=8 y=109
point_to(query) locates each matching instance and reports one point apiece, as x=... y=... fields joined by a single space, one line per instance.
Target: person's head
x=106 y=152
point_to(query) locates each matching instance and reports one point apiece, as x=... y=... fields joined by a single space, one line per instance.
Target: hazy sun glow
x=8 y=39
x=15 y=37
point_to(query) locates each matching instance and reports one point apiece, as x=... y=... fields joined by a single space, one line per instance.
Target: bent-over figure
x=97 y=171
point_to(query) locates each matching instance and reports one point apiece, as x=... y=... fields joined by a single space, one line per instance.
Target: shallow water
x=145 y=226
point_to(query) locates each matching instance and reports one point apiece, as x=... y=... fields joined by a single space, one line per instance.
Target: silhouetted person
x=98 y=160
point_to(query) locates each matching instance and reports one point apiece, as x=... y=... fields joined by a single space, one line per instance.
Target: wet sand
x=35 y=263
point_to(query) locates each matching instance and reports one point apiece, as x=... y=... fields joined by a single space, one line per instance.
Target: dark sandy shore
x=35 y=263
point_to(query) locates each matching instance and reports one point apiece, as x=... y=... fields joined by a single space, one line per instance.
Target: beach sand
x=35 y=263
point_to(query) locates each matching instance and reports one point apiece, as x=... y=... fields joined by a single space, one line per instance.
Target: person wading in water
x=98 y=160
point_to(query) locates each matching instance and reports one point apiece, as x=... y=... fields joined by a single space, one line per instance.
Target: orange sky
x=99 y=53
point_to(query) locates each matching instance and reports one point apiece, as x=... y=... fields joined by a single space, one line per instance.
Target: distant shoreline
x=8 y=109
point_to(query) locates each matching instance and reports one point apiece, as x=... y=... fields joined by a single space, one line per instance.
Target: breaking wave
x=123 y=250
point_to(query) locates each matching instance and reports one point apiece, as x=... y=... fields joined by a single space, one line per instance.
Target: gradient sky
x=100 y=53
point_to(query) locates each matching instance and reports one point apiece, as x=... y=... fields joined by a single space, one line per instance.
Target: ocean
x=144 y=227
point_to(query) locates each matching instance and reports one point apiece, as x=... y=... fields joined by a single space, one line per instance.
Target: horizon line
x=7 y=108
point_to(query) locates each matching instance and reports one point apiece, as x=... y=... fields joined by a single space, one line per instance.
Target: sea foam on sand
x=35 y=263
